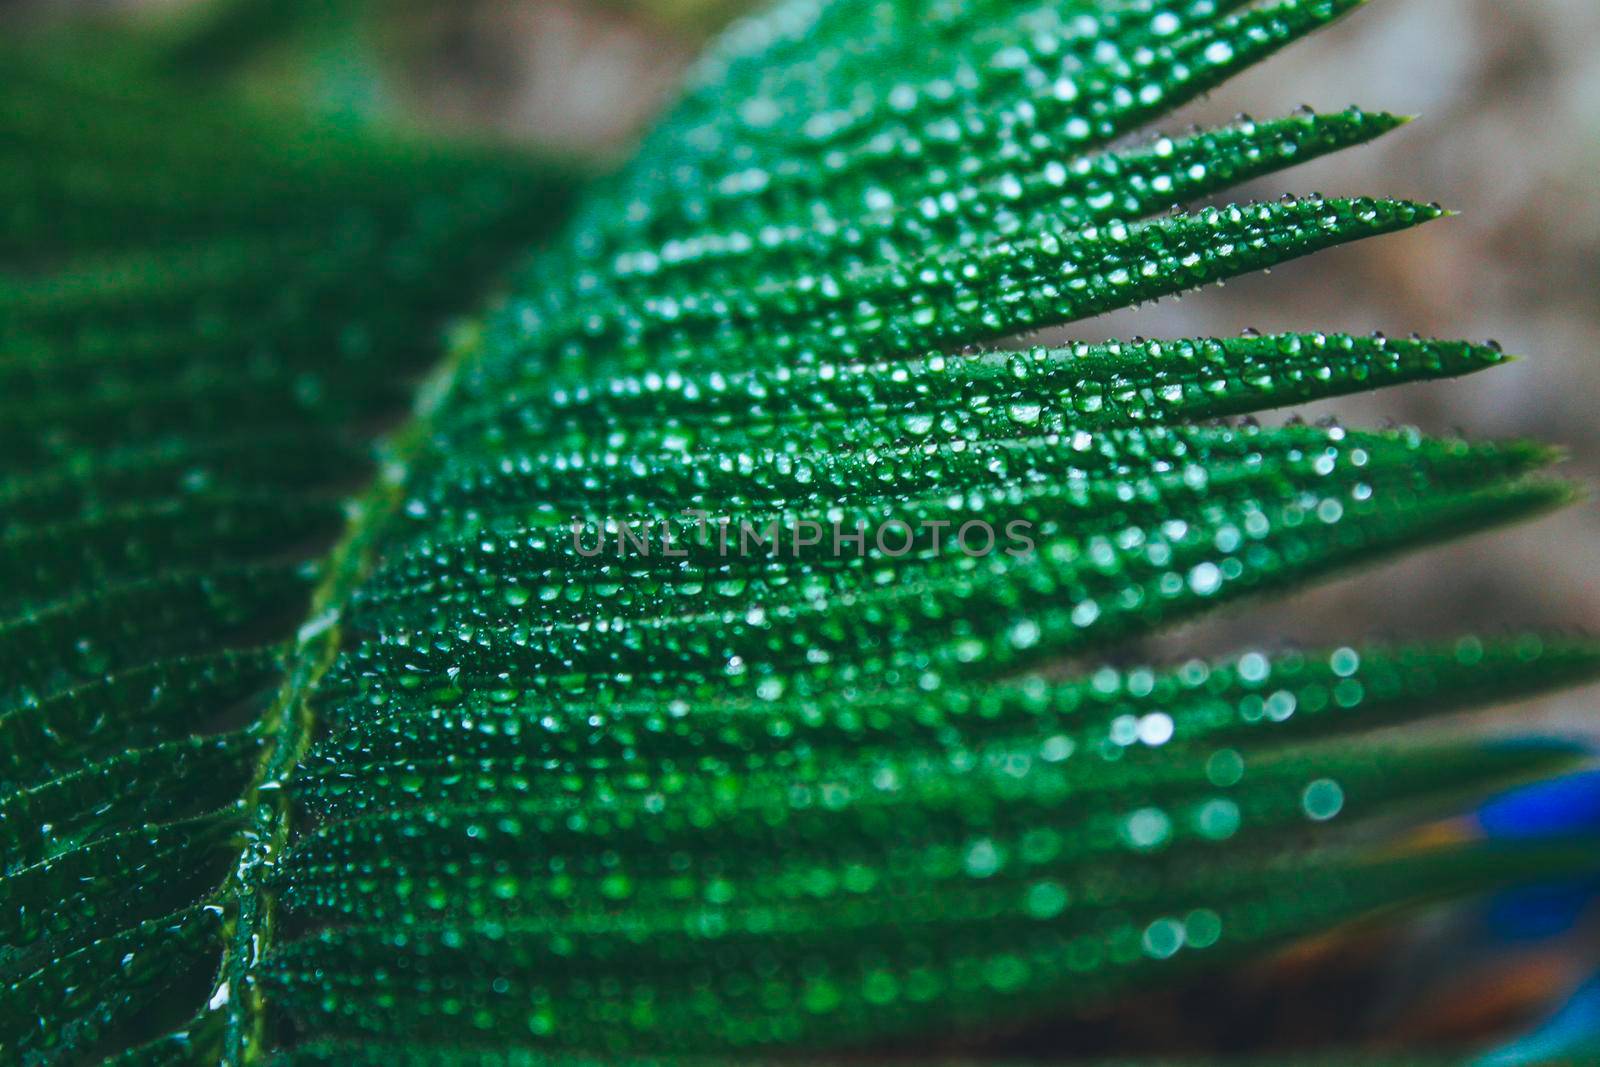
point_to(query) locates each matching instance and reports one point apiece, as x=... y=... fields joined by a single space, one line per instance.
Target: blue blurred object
x=1572 y=1032
x=1561 y=807
x=1566 y=806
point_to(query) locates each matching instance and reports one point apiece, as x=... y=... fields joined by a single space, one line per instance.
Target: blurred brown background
x=1508 y=93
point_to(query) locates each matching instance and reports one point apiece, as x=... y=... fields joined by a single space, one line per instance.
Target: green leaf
x=371 y=1055
x=323 y=739
x=984 y=963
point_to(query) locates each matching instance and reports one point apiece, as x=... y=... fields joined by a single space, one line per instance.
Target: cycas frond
x=208 y=315
x=285 y=770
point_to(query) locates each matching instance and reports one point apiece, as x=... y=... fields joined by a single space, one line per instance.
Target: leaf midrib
x=290 y=723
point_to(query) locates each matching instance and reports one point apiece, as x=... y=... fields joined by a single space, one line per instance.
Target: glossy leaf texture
x=299 y=772
x=408 y=1056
